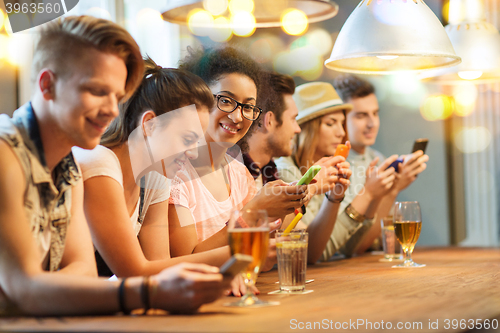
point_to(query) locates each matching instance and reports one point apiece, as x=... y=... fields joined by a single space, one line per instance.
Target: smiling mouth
x=229 y=129
x=101 y=127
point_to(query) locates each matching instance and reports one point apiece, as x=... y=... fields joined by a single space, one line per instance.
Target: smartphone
x=309 y=175
x=236 y=264
x=420 y=144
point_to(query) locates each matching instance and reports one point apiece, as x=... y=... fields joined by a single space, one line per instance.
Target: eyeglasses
x=228 y=104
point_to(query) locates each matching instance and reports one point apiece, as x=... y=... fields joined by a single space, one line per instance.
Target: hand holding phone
x=419 y=144
x=309 y=175
x=236 y=264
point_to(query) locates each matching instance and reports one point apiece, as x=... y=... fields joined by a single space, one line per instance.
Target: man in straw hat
x=362 y=126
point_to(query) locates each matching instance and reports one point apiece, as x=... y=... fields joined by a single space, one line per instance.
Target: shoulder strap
x=140 y=218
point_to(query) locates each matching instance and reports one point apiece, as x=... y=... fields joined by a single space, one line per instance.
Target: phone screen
x=420 y=144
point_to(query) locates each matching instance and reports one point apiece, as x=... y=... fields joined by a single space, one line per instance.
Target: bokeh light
x=98 y=12
x=221 y=32
x=470 y=75
x=465 y=96
x=15 y=49
x=199 y=20
x=472 y=139
x=320 y=39
x=4 y=47
x=236 y=6
x=305 y=62
x=437 y=107
x=446 y=11
x=388 y=57
x=149 y=18
x=2 y=18
x=215 y=7
x=265 y=48
x=243 y=24
x=294 y=22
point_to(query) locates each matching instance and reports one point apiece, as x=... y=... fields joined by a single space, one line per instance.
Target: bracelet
x=121 y=297
x=353 y=214
x=335 y=200
x=145 y=294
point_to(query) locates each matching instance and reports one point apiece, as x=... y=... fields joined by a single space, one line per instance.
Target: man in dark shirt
x=272 y=134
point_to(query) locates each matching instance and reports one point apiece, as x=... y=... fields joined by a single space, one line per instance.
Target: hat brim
x=313 y=114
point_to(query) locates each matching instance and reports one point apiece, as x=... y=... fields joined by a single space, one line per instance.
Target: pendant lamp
x=267 y=13
x=475 y=40
x=386 y=36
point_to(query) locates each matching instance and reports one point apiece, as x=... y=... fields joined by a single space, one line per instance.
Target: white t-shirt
x=102 y=161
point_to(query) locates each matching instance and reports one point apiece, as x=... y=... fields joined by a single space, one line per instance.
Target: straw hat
x=315 y=99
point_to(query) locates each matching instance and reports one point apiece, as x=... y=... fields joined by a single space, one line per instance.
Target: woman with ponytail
x=127 y=189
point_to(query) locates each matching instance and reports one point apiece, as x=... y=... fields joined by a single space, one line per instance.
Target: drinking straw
x=294 y=222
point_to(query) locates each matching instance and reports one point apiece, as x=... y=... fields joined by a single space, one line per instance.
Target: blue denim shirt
x=47 y=198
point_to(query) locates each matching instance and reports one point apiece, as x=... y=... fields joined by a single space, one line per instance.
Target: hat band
x=321 y=106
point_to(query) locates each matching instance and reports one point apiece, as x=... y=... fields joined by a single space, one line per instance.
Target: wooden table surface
x=358 y=294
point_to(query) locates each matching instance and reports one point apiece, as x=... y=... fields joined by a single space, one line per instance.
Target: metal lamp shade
x=384 y=36
x=267 y=13
x=478 y=44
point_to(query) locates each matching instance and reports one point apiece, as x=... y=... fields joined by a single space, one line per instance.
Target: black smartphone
x=236 y=264
x=420 y=144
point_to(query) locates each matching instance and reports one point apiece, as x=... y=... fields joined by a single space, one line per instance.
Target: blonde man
x=83 y=67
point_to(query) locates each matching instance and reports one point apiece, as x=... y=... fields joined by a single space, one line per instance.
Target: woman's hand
x=343 y=182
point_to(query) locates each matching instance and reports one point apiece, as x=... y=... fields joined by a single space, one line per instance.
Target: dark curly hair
x=161 y=90
x=212 y=63
x=351 y=86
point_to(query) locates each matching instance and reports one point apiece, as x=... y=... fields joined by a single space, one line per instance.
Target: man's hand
x=279 y=198
x=379 y=180
x=185 y=287
x=408 y=170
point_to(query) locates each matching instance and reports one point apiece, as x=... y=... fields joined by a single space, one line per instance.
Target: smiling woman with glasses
x=208 y=188
x=228 y=104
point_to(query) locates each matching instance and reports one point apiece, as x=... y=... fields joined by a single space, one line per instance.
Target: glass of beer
x=248 y=232
x=407 y=225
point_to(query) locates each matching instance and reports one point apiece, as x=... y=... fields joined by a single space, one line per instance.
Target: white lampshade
x=267 y=13
x=384 y=36
x=476 y=41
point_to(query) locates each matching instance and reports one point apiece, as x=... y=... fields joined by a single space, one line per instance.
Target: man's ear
x=148 y=122
x=269 y=120
x=46 y=84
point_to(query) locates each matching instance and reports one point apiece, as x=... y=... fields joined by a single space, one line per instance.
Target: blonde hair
x=306 y=142
x=62 y=43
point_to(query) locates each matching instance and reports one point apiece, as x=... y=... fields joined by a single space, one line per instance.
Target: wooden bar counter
x=459 y=290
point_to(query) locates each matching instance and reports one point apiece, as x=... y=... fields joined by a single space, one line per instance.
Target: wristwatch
x=354 y=214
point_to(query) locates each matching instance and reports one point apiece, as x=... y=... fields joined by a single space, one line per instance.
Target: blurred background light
x=149 y=18
x=243 y=24
x=470 y=75
x=437 y=107
x=2 y=18
x=221 y=32
x=472 y=139
x=294 y=22
x=465 y=97
x=236 y=6
x=200 y=21
x=98 y=12
x=215 y=7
